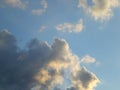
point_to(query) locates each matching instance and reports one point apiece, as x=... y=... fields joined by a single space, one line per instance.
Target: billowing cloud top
x=101 y=9
x=41 y=66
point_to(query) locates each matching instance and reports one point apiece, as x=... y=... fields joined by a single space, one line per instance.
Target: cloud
x=15 y=3
x=41 y=10
x=69 y=27
x=42 y=28
x=25 y=5
x=100 y=9
x=71 y=88
x=84 y=80
x=40 y=66
x=88 y=59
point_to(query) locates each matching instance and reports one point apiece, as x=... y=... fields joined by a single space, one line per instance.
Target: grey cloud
x=15 y=73
x=71 y=88
x=7 y=41
x=17 y=68
x=39 y=67
x=56 y=88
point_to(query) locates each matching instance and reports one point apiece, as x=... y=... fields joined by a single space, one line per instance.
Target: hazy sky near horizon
x=59 y=44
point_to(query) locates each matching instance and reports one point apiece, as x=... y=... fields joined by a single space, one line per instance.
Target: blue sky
x=89 y=27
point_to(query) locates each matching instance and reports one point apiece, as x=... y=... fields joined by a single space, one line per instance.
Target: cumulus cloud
x=69 y=27
x=84 y=80
x=100 y=9
x=41 y=10
x=41 y=66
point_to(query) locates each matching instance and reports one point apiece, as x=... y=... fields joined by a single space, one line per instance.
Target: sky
x=59 y=44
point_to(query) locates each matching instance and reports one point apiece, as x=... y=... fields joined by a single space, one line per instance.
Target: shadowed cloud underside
x=41 y=66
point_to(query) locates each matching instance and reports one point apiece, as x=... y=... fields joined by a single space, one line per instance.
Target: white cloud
x=37 y=11
x=15 y=3
x=41 y=10
x=42 y=28
x=101 y=9
x=24 y=4
x=69 y=27
x=88 y=59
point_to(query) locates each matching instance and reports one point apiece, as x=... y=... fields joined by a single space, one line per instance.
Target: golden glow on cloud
x=101 y=9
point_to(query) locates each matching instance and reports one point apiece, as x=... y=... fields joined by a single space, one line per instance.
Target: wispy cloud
x=41 y=10
x=15 y=3
x=25 y=5
x=101 y=9
x=41 y=66
x=69 y=27
x=42 y=28
x=88 y=59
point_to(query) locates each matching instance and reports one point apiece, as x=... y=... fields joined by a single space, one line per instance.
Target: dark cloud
x=17 y=68
x=41 y=66
x=71 y=88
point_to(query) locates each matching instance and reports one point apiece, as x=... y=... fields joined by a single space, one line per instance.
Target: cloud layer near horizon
x=41 y=66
